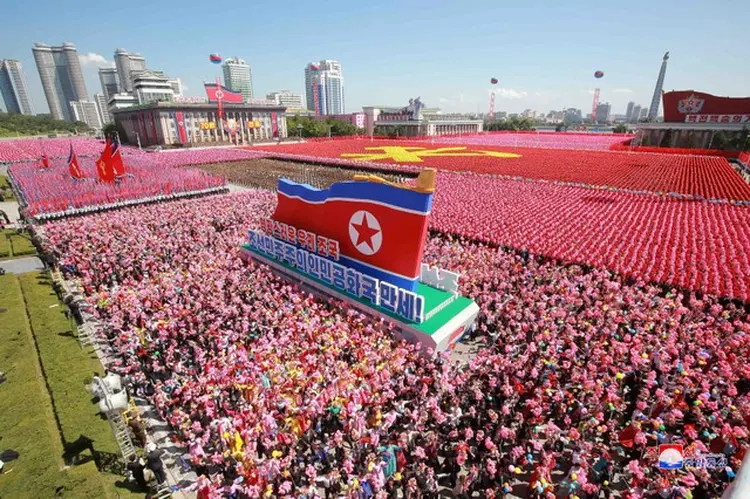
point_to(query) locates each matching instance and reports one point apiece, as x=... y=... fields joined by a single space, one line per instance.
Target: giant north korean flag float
x=362 y=242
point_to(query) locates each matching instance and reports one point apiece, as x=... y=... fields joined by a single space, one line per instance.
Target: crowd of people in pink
x=580 y=373
x=53 y=190
x=31 y=150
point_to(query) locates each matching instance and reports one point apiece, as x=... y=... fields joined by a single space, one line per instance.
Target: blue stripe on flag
x=360 y=191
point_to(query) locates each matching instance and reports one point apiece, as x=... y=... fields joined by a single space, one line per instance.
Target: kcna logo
x=690 y=105
x=670 y=456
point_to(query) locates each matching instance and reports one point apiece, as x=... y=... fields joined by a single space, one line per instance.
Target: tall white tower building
x=324 y=87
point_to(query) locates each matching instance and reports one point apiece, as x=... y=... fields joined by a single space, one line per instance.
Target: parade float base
x=448 y=316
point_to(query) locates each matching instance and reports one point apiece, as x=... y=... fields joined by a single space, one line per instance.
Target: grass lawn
x=35 y=424
x=21 y=245
x=66 y=366
x=14 y=245
x=27 y=421
x=6 y=189
x=4 y=244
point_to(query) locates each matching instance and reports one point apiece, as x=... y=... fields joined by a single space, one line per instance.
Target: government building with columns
x=197 y=124
x=415 y=121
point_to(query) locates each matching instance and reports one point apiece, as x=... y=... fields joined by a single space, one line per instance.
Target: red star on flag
x=365 y=233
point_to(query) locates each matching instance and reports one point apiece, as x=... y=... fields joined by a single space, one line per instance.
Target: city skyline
x=388 y=66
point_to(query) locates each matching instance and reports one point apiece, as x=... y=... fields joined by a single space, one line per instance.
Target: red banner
x=181 y=132
x=153 y=127
x=274 y=126
x=717 y=118
x=681 y=104
x=316 y=98
x=144 y=131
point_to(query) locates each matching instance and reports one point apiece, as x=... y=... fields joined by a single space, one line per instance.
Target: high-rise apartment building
x=110 y=81
x=629 y=111
x=324 y=87
x=312 y=80
x=636 y=114
x=87 y=112
x=101 y=106
x=286 y=98
x=603 y=112
x=62 y=78
x=238 y=77
x=13 y=87
x=127 y=63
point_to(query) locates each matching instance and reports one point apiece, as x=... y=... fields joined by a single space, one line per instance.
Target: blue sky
x=543 y=52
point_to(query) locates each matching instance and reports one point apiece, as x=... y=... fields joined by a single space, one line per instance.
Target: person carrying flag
x=73 y=166
x=104 y=164
x=117 y=166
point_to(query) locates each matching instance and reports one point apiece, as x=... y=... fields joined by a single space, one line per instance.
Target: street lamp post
x=299 y=131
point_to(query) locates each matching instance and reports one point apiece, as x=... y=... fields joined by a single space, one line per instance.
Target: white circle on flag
x=365 y=233
x=219 y=94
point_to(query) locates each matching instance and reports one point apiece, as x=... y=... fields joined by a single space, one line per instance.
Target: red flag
x=104 y=164
x=73 y=166
x=218 y=93
x=118 y=168
x=45 y=159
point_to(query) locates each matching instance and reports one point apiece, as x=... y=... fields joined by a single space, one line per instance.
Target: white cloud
x=94 y=59
x=623 y=91
x=443 y=100
x=509 y=93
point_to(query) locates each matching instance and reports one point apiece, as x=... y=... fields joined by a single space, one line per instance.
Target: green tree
x=19 y=124
x=740 y=141
x=515 y=123
x=311 y=127
x=110 y=130
x=719 y=140
x=621 y=128
x=666 y=139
